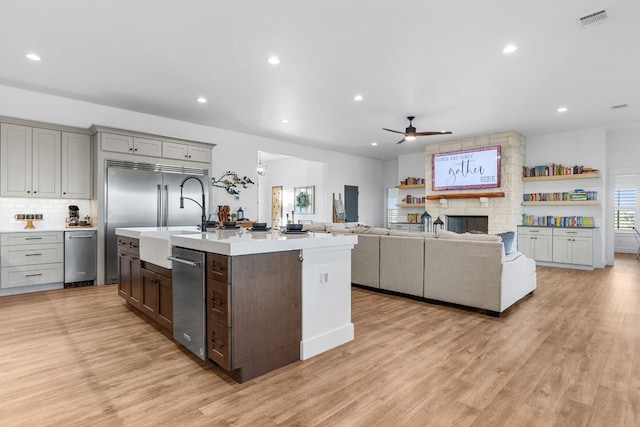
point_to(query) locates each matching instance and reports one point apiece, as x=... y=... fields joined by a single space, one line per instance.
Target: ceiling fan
x=410 y=132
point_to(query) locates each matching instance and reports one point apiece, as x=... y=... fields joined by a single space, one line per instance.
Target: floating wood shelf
x=585 y=175
x=410 y=186
x=562 y=202
x=465 y=195
x=410 y=205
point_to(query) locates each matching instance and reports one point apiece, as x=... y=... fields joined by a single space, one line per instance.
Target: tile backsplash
x=54 y=211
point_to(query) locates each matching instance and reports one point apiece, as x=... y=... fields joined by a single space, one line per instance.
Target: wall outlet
x=324 y=274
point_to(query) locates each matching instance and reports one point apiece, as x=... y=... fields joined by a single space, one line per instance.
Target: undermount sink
x=155 y=246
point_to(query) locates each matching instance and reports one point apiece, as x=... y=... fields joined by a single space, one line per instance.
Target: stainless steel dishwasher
x=80 y=258
x=189 y=299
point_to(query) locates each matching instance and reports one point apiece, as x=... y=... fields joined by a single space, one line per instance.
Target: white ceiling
x=440 y=61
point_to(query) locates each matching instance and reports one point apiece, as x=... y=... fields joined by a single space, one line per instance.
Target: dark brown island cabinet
x=254 y=312
x=145 y=286
x=253 y=305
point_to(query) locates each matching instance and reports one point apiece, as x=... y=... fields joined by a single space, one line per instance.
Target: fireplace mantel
x=465 y=195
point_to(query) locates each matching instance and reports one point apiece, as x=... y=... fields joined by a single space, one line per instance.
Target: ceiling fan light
x=409 y=137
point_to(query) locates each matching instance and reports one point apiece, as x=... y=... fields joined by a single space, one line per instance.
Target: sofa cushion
x=450 y=235
x=338 y=229
x=372 y=230
x=507 y=240
x=316 y=228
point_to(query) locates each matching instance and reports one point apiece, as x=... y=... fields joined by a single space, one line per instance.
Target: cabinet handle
x=33 y=254
x=33 y=275
x=28 y=191
x=217 y=302
x=300 y=258
x=131 y=149
x=216 y=345
x=64 y=193
x=135 y=149
x=33 y=238
x=34 y=192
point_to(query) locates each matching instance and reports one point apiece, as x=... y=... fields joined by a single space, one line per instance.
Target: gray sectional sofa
x=470 y=270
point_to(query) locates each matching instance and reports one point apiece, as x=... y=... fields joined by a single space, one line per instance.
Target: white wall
x=410 y=165
x=290 y=173
x=624 y=169
x=234 y=151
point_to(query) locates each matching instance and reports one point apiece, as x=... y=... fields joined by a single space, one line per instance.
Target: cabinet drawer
x=13 y=256
x=218 y=267
x=218 y=302
x=13 y=277
x=219 y=344
x=10 y=239
x=129 y=245
x=535 y=231
x=571 y=232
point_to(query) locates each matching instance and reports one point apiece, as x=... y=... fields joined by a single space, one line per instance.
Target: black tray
x=295 y=231
x=260 y=229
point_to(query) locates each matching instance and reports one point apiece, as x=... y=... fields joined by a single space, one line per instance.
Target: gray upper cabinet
x=194 y=153
x=30 y=162
x=76 y=166
x=131 y=145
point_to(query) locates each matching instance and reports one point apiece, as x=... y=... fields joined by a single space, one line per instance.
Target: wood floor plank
x=567 y=356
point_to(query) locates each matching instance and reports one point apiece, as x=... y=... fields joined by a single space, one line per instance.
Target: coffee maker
x=74 y=216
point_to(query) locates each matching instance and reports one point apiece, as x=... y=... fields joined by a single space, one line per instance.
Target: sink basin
x=155 y=246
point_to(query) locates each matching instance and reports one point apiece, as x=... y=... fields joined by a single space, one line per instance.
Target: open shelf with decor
x=408 y=186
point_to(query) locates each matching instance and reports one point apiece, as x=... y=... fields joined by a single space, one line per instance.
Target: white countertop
x=229 y=242
x=45 y=230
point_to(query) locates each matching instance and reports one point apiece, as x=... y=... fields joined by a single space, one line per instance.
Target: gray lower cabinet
x=31 y=260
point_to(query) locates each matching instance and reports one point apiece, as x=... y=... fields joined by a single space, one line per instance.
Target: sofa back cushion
x=450 y=235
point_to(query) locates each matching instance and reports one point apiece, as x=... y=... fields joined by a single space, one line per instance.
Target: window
x=624 y=216
x=392 y=209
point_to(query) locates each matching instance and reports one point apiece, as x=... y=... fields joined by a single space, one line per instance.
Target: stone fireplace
x=503 y=213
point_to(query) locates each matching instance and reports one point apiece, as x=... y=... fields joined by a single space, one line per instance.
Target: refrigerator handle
x=159 y=210
x=166 y=206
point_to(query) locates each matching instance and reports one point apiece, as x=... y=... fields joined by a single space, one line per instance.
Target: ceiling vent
x=619 y=106
x=593 y=19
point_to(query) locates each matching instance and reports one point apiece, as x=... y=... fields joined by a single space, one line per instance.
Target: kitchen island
x=271 y=297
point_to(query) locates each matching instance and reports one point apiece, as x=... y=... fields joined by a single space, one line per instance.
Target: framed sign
x=466 y=169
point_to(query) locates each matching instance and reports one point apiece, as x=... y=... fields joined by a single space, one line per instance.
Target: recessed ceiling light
x=562 y=109
x=202 y=99
x=510 y=48
x=285 y=121
x=358 y=98
x=374 y=143
x=274 y=60
x=33 y=57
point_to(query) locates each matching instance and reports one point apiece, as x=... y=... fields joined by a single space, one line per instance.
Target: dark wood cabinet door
x=135 y=294
x=165 y=302
x=149 y=299
x=124 y=281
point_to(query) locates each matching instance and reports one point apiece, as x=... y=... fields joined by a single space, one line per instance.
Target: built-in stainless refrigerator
x=148 y=195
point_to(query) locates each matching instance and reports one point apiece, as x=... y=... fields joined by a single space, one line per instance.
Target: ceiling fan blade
x=431 y=133
x=401 y=141
x=391 y=130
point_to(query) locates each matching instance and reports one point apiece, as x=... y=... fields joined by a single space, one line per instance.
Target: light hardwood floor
x=568 y=355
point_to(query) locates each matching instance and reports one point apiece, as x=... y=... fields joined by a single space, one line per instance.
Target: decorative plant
x=230 y=181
